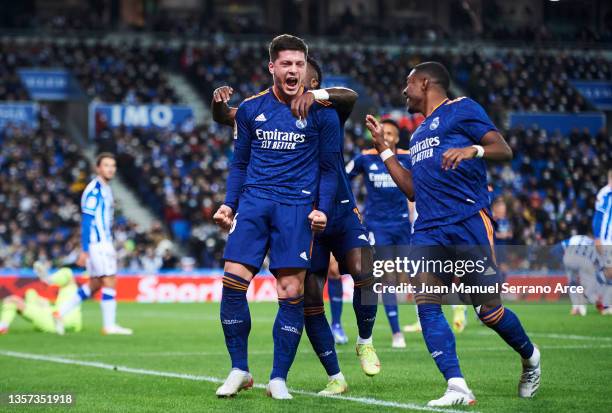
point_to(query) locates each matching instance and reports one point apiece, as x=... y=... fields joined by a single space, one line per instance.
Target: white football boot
x=398 y=341
x=530 y=377
x=236 y=381
x=455 y=395
x=277 y=389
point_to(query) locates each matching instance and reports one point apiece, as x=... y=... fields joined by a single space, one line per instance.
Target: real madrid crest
x=301 y=123
x=434 y=123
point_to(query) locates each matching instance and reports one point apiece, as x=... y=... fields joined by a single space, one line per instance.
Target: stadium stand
x=186 y=169
x=42 y=175
x=127 y=73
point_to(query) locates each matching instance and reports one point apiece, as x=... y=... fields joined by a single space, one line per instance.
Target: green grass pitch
x=178 y=349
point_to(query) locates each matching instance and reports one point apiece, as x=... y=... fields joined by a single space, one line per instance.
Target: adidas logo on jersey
x=373 y=167
x=261 y=118
x=304 y=256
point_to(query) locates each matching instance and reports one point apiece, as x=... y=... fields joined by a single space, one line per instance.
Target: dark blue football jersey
x=280 y=152
x=385 y=204
x=446 y=197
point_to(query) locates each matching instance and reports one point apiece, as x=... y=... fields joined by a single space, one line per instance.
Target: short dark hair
x=436 y=72
x=391 y=122
x=286 y=42
x=104 y=155
x=315 y=65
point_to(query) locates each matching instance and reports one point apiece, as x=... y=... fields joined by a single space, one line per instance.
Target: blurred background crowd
x=542 y=196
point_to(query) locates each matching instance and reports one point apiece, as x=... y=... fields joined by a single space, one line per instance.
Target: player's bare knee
x=313 y=290
x=239 y=270
x=312 y=298
x=110 y=281
x=289 y=286
x=95 y=283
x=358 y=262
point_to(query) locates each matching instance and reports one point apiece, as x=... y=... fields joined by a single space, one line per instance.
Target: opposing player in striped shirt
x=98 y=253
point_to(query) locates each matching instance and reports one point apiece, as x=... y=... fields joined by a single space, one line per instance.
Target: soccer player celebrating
x=387 y=217
x=448 y=181
x=98 y=253
x=345 y=226
x=38 y=310
x=281 y=166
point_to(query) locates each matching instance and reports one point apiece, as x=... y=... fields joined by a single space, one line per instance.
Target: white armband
x=320 y=94
x=479 y=151
x=386 y=154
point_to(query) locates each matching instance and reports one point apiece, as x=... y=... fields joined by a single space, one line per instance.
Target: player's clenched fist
x=301 y=105
x=378 y=134
x=223 y=94
x=224 y=217
x=318 y=221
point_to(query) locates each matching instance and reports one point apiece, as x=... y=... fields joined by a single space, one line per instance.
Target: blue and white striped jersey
x=602 y=220
x=97 y=202
x=581 y=246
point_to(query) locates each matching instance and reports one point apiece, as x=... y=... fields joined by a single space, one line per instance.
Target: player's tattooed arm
x=400 y=175
x=342 y=99
x=495 y=149
x=221 y=111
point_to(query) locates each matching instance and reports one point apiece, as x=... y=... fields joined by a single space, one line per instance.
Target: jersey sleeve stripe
x=263 y=92
x=489 y=227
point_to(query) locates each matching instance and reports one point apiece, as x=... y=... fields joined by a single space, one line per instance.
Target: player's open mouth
x=291 y=82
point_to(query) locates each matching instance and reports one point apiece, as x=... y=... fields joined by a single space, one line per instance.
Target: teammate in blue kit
x=346 y=236
x=386 y=213
x=281 y=167
x=447 y=179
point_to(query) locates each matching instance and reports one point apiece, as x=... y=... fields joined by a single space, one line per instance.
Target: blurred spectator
x=124 y=73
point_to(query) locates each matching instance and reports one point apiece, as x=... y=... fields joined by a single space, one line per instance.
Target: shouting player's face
x=288 y=71
x=107 y=168
x=414 y=93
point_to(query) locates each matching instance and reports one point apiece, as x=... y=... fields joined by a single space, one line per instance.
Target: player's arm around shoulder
x=473 y=122
x=340 y=98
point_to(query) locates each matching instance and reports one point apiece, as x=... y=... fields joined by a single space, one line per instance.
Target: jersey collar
x=436 y=108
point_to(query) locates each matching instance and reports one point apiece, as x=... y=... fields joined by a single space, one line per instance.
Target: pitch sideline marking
x=145 y=372
x=255 y=352
x=556 y=336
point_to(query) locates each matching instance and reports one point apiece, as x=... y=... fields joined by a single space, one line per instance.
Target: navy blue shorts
x=344 y=232
x=472 y=239
x=261 y=225
x=392 y=234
